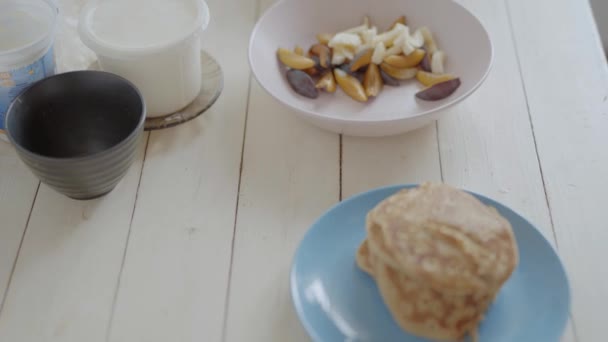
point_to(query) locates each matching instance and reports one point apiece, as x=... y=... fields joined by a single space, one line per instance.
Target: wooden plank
x=65 y=278
x=175 y=276
x=489 y=146
x=64 y=281
x=290 y=177
x=404 y=159
x=18 y=188
x=569 y=113
x=17 y=184
x=485 y=143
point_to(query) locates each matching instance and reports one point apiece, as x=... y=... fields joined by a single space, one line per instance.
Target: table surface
x=196 y=242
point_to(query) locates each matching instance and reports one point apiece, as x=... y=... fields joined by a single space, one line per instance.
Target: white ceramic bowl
x=396 y=110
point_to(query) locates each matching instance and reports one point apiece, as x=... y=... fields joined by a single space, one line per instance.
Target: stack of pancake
x=439 y=257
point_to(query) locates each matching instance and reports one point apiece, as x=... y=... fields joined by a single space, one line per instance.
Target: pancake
x=439 y=257
x=425 y=312
x=363 y=259
x=447 y=237
x=416 y=307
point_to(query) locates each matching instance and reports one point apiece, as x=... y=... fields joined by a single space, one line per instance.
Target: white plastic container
x=153 y=43
x=27 y=32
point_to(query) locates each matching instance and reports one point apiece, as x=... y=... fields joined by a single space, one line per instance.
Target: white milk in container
x=155 y=44
x=27 y=30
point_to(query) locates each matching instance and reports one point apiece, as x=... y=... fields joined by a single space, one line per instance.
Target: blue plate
x=336 y=301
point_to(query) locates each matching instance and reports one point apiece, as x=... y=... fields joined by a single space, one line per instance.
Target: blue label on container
x=13 y=82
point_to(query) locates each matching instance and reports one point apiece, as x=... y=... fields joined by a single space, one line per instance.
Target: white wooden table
x=196 y=242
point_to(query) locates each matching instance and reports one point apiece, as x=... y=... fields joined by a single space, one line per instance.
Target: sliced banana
x=351 y=40
x=407 y=48
x=337 y=58
x=367 y=36
x=393 y=51
x=429 y=42
x=437 y=62
x=416 y=39
x=388 y=38
x=341 y=54
x=379 y=53
x=348 y=53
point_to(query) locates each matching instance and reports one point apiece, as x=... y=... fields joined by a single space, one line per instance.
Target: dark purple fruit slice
x=388 y=79
x=439 y=91
x=425 y=64
x=302 y=84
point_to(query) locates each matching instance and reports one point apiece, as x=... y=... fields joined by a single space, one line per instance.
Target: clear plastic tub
x=27 y=32
x=153 y=43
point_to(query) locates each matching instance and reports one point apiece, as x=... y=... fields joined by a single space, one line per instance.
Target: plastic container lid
x=136 y=19
x=27 y=29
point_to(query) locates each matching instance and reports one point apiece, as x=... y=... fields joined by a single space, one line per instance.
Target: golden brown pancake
x=363 y=258
x=439 y=256
x=447 y=237
x=425 y=312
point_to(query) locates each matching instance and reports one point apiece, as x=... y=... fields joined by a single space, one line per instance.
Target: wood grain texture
x=65 y=277
x=290 y=177
x=17 y=192
x=486 y=143
x=66 y=274
x=569 y=113
x=177 y=283
x=409 y=158
x=17 y=184
x=488 y=146
x=175 y=276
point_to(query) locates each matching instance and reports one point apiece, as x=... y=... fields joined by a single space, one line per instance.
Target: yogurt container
x=27 y=31
x=153 y=43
